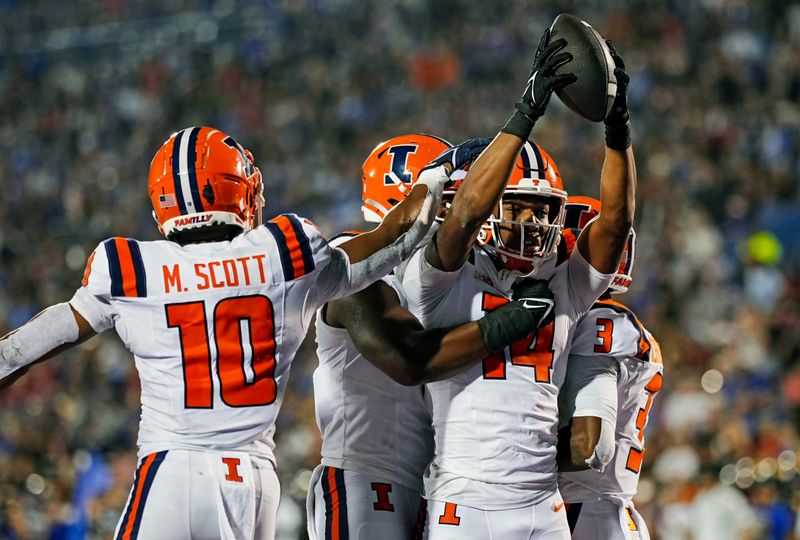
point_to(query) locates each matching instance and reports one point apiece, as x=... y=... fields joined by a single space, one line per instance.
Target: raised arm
x=486 y=179
x=373 y=255
x=603 y=241
x=393 y=340
x=52 y=331
x=474 y=203
x=406 y=223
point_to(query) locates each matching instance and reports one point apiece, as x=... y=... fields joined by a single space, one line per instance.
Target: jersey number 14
x=243 y=381
x=534 y=351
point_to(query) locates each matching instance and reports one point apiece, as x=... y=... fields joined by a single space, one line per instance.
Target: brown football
x=592 y=95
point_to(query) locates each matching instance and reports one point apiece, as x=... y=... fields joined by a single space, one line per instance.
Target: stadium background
x=90 y=88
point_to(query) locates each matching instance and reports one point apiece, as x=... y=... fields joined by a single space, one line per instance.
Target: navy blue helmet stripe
x=191 y=165
x=138 y=268
x=305 y=245
x=539 y=166
x=114 y=268
x=526 y=162
x=176 y=167
x=283 y=250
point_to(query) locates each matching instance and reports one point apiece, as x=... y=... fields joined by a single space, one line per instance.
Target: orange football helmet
x=535 y=174
x=202 y=177
x=391 y=169
x=582 y=210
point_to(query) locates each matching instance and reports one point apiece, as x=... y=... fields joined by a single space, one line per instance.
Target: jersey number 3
x=534 y=351
x=246 y=373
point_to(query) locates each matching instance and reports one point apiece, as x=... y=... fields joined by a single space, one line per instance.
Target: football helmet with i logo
x=392 y=168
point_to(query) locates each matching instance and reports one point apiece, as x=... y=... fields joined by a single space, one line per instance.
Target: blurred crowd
x=89 y=89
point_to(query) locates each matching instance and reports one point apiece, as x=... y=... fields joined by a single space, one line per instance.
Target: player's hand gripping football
x=618 y=134
x=543 y=81
x=531 y=308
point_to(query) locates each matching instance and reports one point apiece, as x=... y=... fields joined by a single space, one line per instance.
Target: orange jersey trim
x=293 y=245
x=126 y=266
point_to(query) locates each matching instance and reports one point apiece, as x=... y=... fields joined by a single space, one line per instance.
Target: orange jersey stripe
x=292 y=244
x=138 y=495
x=126 y=266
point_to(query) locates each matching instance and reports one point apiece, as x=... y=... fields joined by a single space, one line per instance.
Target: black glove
x=541 y=84
x=520 y=317
x=618 y=133
x=535 y=295
x=461 y=154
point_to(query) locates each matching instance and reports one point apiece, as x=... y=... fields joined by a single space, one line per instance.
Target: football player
x=213 y=316
x=376 y=433
x=494 y=471
x=614 y=372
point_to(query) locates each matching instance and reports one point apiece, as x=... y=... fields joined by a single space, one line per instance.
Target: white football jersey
x=495 y=424
x=369 y=423
x=612 y=330
x=213 y=327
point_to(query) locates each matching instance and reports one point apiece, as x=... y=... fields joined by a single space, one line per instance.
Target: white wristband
x=605 y=448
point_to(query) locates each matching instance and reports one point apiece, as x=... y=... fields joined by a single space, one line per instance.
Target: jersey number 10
x=237 y=388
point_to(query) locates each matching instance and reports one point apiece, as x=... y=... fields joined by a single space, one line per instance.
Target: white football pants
x=611 y=520
x=546 y=520
x=194 y=495
x=358 y=506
